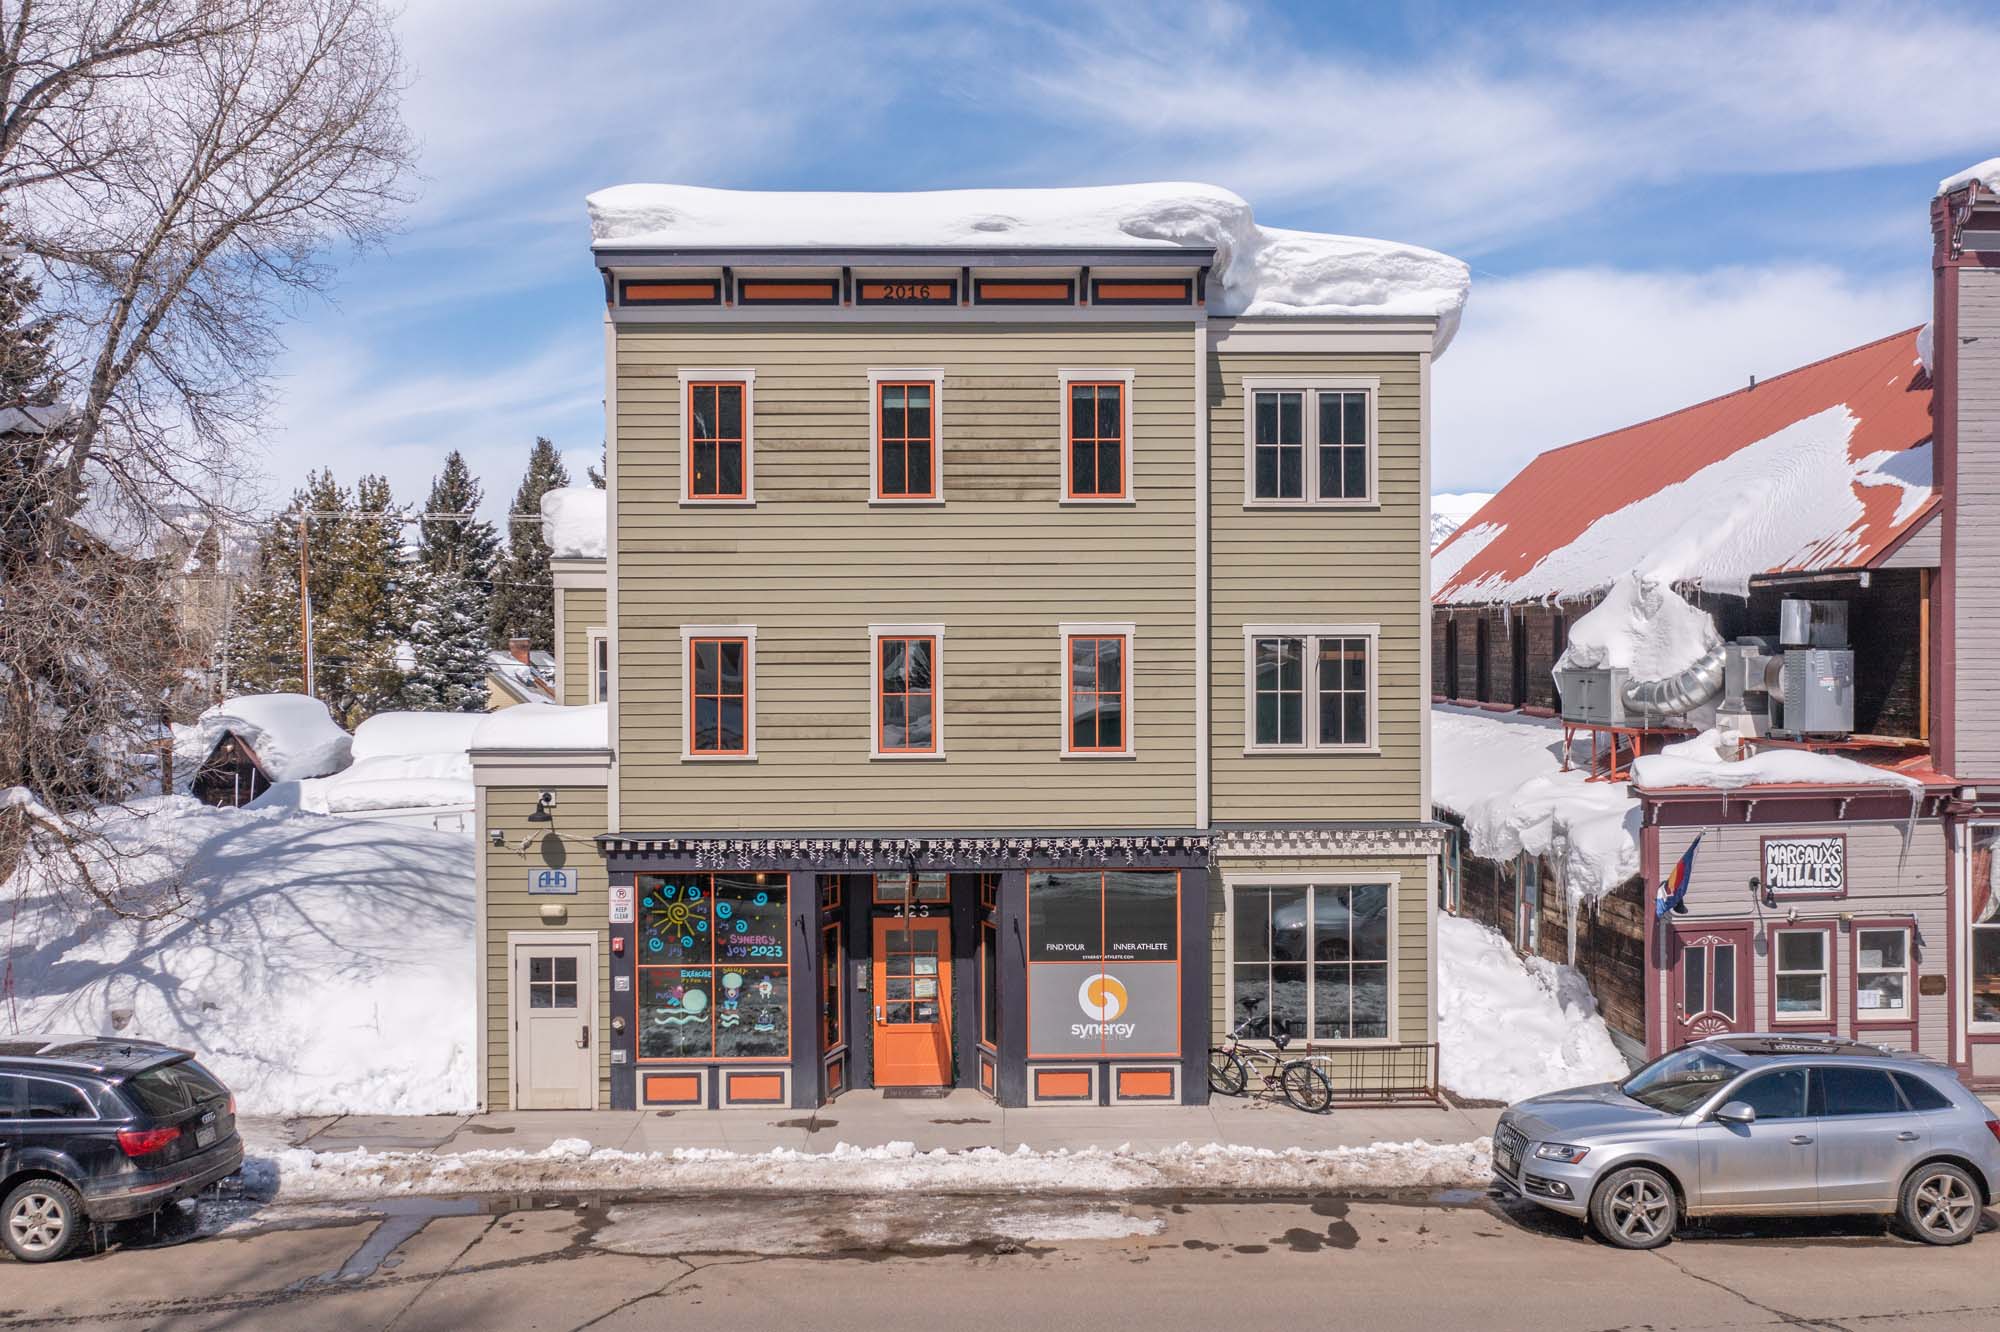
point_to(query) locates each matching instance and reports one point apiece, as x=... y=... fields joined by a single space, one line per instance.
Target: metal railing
x=1379 y=1074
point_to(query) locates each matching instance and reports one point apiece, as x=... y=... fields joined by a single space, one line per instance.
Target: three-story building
x=1005 y=667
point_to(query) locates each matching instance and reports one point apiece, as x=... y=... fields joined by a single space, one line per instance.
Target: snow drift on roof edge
x=1258 y=270
x=574 y=521
x=1987 y=173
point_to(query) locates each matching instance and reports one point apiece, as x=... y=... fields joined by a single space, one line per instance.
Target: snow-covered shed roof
x=573 y=522
x=1824 y=467
x=1256 y=270
x=402 y=760
x=293 y=736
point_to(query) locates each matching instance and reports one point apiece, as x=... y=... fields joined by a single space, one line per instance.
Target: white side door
x=555 y=1010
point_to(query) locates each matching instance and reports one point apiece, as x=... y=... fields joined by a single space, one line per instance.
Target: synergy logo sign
x=1103 y=999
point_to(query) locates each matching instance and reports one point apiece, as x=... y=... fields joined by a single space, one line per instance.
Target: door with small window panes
x=554 y=1046
x=1711 y=982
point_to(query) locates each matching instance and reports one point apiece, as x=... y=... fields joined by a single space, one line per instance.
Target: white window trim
x=876 y=378
x=592 y=636
x=1825 y=973
x=1311 y=387
x=1098 y=629
x=1908 y=1013
x=698 y=375
x=747 y=632
x=1064 y=378
x=1311 y=633
x=876 y=633
x=1330 y=879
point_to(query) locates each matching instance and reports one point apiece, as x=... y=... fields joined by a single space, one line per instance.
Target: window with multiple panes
x=718 y=441
x=1800 y=976
x=1985 y=919
x=906 y=694
x=1311 y=688
x=1311 y=445
x=1313 y=958
x=718 y=695
x=906 y=440
x=1881 y=974
x=714 y=974
x=600 y=667
x=1096 y=434
x=1096 y=718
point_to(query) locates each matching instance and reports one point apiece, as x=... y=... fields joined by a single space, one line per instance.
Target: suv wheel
x=43 y=1220
x=1940 y=1204
x=1635 y=1208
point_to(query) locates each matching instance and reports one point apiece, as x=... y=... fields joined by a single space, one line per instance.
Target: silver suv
x=1763 y=1126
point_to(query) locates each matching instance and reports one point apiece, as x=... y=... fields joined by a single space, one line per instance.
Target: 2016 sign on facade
x=1813 y=866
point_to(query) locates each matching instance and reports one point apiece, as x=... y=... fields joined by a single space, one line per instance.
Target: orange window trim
x=717 y=440
x=694 y=695
x=884 y=439
x=1097 y=442
x=883 y=695
x=1071 y=691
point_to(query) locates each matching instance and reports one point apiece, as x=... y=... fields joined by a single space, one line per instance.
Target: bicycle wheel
x=1306 y=1087
x=1226 y=1072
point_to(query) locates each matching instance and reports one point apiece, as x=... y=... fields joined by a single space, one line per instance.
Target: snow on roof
x=547 y=728
x=573 y=522
x=1501 y=773
x=1449 y=512
x=1707 y=761
x=397 y=734
x=518 y=678
x=1257 y=270
x=32 y=420
x=1987 y=173
x=1824 y=467
x=1642 y=626
x=402 y=760
x=292 y=735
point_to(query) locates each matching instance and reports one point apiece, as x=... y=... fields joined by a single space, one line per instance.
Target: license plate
x=205 y=1137
x=1506 y=1160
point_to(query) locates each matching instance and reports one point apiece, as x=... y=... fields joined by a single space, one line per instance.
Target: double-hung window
x=907 y=415
x=717 y=422
x=1097 y=436
x=599 y=642
x=908 y=672
x=1097 y=690
x=1310 y=442
x=1310 y=688
x=1881 y=973
x=720 y=696
x=1311 y=959
x=1983 y=913
x=1801 y=979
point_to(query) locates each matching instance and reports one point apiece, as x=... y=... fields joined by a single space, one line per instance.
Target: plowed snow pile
x=1511 y=1027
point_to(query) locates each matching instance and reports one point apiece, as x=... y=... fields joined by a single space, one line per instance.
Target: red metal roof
x=1562 y=492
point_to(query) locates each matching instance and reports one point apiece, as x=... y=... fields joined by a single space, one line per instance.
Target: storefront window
x=1800 y=973
x=714 y=974
x=1881 y=974
x=832 y=963
x=1985 y=916
x=929 y=887
x=1314 y=959
x=1103 y=963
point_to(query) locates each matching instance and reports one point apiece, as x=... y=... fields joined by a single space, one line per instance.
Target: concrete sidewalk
x=962 y=1120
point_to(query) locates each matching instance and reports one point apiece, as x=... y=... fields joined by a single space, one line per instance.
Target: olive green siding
x=580 y=814
x=1320 y=565
x=1411 y=945
x=1000 y=564
x=582 y=611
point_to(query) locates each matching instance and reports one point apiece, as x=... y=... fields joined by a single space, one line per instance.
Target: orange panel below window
x=1145 y=1084
x=749 y=292
x=694 y=293
x=670 y=1089
x=985 y=1075
x=1024 y=291
x=767 y=1088
x=1142 y=291
x=1061 y=1084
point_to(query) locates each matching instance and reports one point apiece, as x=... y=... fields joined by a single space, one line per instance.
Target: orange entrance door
x=912 y=1002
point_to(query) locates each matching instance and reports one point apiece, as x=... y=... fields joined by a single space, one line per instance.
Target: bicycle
x=1303 y=1086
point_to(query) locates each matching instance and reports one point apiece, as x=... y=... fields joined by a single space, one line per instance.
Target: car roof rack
x=1801 y=1043
x=96 y=1054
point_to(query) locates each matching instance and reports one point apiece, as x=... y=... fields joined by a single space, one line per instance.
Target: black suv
x=95 y=1129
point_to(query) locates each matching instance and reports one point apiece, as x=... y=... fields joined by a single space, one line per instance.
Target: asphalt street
x=744 y=1264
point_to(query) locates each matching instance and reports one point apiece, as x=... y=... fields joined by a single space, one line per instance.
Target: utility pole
x=305 y=613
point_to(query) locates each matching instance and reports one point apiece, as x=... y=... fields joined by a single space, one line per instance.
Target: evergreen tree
x=359 y=625
x=447 y=643
x=468 y=544
x=29 y=378
x=596 y=474
x=261 y=643
x=524 y=596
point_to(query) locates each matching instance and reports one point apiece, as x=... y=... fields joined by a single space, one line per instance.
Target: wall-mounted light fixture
x=543 y=804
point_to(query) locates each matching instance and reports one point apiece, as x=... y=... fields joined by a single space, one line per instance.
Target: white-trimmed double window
x=1310 y=441
x=907 y=690
x=1312 y=957
x=906 y=436
x=1310 y=688
x=597 y=662
x=1801 y=974
x=718 y=438
x=719 y=691
x=1096 y=436
x=1097 y=690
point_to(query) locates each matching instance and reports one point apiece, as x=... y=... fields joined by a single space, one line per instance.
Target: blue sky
x=1656 y=202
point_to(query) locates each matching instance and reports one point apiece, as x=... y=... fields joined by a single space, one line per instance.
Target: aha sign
x=560 y=881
